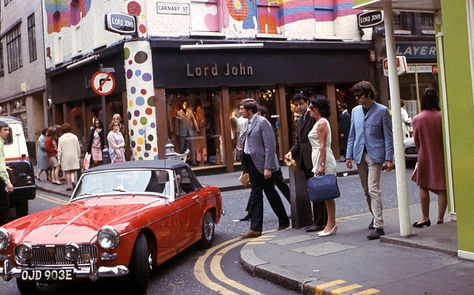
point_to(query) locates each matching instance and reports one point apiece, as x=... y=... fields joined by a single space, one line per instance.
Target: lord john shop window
x=194 y=125
x=268 y=17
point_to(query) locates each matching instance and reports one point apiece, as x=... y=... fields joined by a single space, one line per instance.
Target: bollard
x=169 y=150
x=301 y=214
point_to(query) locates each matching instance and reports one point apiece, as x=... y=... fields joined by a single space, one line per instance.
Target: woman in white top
x=322 y=156
x=69 y=152
x=116 y=143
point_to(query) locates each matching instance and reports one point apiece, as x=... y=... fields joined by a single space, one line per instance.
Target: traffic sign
x=401 y=65
x=121 y=23
x=103 y=83
x=370 y=18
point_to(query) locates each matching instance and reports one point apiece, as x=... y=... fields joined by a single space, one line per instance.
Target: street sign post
x=121 y=23
x=370 y=18
x=103 y=83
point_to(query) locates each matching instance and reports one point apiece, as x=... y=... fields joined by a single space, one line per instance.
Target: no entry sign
x=103 y=83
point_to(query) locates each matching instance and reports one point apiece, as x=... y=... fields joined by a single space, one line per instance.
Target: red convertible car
x=122 y=219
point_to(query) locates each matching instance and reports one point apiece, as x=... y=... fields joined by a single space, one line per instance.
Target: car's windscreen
x=123 y=181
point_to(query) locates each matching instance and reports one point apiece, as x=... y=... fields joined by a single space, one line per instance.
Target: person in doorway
x=301 y=151
x=344 y=126
x=5 y=185
x=260 y=161
x=51 y=147
x=41 y=156
x=430 y=175
x=116 y=143
x=370 y=145
x=185 y=126
x=69 y=152
x=321 y=155
x=96 y=142
x=406 y=121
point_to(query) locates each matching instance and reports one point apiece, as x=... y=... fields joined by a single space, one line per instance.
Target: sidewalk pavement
x=348 y=263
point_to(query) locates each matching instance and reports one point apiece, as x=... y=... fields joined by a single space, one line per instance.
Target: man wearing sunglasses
x=370 y=145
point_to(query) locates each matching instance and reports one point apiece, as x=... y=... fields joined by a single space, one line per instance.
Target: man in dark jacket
x=344 y=127
x=301 y=151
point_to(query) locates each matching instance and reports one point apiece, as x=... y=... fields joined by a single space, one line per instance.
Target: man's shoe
x=371 y=224
x=314 y=228
x=246 y=218
x=375 y=234
x=250 y=234
x=282 y=227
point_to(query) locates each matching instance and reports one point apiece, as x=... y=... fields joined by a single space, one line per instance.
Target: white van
x=21 y=170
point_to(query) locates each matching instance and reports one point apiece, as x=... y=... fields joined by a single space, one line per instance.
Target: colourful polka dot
x=141 y=132
x=140 y=101
x=136 y=113
x=132 y=132
x=151 y=101
x=135 y=122
x=140 y=141
x=129 y=115
x=129 y=74
x=138 y=73
x=148 y=111
x=150 y=137
x=141 y=57
x=156 y=157
x=130 y=62
x=133 y=89
x=133 y=145
x=143 y=91
x=126 y=53
x=140 y=158
x=155 y=150
x=146 y=77
x=146 y=154
x=143 y=120
x=139 y=148
x=134 y=8
x=130 y=103
x=152 y=125
x=142 y=28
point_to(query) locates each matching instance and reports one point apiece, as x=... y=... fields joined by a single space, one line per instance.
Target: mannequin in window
x=185 y=126
x=201 y=123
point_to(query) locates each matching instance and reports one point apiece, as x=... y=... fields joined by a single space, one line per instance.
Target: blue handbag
x=323 y=187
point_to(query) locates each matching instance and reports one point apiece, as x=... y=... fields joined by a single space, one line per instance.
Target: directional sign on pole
x=103 y=83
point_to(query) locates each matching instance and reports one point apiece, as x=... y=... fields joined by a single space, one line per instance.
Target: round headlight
x=4 y=239
x=24 y=252
x=71 y=251
x=108 y=237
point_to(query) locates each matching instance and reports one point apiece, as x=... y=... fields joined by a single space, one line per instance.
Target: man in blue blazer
x=370 y=145
x=260 y=161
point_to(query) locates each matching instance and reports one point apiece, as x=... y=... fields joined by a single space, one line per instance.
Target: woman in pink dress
x=96 y=142
x=428 y=136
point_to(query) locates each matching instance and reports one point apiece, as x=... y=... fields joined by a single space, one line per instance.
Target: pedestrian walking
x=51 y=146
x=344 y=126
x=69 y=152
x=430 y=171
x=370 y=146
x=5 y=185
x=116 y=143
x=260 y=161
x=41 y=156
x=96 y=142
x=301 y=152
x=322 y=155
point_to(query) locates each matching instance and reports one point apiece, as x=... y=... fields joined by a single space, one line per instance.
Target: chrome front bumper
x=91 y=271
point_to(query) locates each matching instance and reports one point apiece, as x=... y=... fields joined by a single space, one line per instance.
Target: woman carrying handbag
x=324 y=162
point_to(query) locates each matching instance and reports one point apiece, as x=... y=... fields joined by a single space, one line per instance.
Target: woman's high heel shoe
x=422 y=224
x=329 y=233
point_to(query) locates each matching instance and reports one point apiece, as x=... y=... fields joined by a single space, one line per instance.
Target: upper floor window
x=401 y=22
x=205 y=16
x=2 y=67
x=13 y=39
x=268 y=17
x=32 y=37
x=427 y=21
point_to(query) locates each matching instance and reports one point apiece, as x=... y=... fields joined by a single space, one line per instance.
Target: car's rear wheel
x=26 y=287
x=140 y=266
x=21 y=209
x=208 y=227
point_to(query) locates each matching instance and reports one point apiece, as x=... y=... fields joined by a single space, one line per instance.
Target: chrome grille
x=55 y=255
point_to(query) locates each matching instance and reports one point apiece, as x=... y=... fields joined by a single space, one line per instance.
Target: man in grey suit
x=370 y=145
x=260 y=161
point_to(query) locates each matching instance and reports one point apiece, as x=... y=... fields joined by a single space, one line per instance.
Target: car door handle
x=195 y=198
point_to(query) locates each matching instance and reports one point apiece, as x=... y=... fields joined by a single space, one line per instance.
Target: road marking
x=52 y=199
x=320 y=288
x=345 y=289
x=367 y=292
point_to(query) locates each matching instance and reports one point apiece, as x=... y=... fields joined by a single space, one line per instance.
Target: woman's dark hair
x=51 y=131
x=100 y=123
x=250 y=104
x=44 y=131
x=366 y=88
x=322 y=104
x=430 y=100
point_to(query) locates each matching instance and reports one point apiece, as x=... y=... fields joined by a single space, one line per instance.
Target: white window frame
x=197 y=33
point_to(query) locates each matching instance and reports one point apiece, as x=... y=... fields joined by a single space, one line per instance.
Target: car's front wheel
x=140 y=266
x=208 y=227
x=26 y=287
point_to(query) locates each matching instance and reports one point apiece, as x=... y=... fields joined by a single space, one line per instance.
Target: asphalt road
x=180 y=274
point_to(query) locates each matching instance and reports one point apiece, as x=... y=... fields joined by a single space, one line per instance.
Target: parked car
x=123 y=219
x=21 y=169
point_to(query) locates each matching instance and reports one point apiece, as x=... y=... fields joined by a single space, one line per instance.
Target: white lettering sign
x=172 y=8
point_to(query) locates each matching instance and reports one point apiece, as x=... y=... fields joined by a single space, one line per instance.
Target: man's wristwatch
x=322 y=164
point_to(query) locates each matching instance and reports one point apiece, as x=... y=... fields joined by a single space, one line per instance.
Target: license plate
x=47 y=274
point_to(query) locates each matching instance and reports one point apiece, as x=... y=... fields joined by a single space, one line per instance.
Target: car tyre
x=26 y=287
x=140 y=266
x=208 y=227
x=21 y=209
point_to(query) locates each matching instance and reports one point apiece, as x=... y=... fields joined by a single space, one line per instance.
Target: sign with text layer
x=120 y=23
x=370 y=18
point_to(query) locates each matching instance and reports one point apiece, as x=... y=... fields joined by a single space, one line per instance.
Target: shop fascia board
x=402 y=5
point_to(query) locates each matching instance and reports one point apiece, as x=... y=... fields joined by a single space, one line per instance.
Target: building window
x=268 y=17
x=7 y=1
x=13 y=39
x=2 y=67
x=427 y=21
x=205 y=15
x=32 y=37
x=401 y=23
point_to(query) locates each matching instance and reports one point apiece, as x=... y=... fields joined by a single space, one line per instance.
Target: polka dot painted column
x=140 y=100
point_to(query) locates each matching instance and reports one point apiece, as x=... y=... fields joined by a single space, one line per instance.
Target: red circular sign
x=103 y=83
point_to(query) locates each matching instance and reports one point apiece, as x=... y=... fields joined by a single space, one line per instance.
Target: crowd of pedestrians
x=59 y=152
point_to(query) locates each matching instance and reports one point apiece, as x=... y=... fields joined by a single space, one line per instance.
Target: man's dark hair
x=322 y=104
x=366 y=88
x=262 y=110
x=3 y=124
x=250 y=104
x=299 y=96
x=343 y=105
x=430 y=100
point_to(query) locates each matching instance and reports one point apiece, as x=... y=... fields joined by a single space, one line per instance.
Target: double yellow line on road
x=52 y=199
